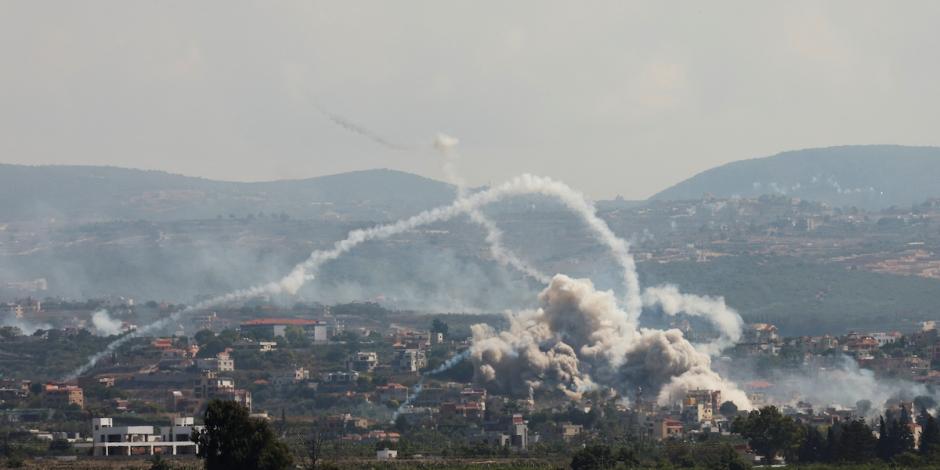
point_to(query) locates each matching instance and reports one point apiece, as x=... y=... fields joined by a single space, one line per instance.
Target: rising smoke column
x=579 y=340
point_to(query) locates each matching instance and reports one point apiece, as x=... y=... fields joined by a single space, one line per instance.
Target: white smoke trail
x=305 y=271
x=494 y=236
x=361 y=130
x=727 y=321
x=416 y=390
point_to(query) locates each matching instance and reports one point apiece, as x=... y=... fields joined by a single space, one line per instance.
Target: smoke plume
x=104 y=324
x=579 y=340
x=726 y=320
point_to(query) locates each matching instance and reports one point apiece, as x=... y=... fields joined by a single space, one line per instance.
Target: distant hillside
x=106 y=193
x=870 y=176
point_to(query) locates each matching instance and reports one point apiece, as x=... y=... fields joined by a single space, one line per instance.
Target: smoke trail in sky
x=306 y=271
x=494 y=236
x=361 y=130
x=418 y=387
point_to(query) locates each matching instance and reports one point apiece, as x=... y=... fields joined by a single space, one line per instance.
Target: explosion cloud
x=579 y=340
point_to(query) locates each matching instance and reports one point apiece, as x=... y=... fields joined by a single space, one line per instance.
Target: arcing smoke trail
x=305 y=271
x=611 y=342
x=494 y=236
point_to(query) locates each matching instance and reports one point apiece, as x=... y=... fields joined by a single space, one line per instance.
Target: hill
x=869 y=176
x=91 y=193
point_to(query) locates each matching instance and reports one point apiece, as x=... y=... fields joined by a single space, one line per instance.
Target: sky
x=614 y=98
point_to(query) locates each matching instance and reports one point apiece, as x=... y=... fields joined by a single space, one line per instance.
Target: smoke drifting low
x=104 y=324
x=579 y=340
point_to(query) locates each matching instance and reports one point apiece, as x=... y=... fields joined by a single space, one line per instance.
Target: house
x=570 y=431
x=222 y=362
x=291 y=376
x=174 y=439
x=392 y=392
x=386 y=454
x=62 y=395
x=341 y=377
x=411 y=360
x=667 y=428
x=210 y=386
x=363 y=361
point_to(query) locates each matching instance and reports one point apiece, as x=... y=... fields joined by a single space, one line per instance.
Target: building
x=174 y=439
x=62 y=395
x=291 y=376
x=570 y=431
x=222 y=362
x=341 y=377
x=411 y=360
x=386 y=454
x=667 y=428
x=210 y=386
x=363 y=361
x=519 y=432
x=392 y=392
x=316 y=330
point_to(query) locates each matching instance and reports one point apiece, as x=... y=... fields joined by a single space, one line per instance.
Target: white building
x=143 y=440
x=386 y=454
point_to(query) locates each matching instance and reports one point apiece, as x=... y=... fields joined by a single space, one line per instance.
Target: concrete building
x=143 y=440
x=62 y=395
x=318 y=331
x=222 y=362
x=210 y=386
x=411 y=360
x=386 y=454
x=363 y=361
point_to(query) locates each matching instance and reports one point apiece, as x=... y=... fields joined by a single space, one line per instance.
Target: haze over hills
x=864 y=176
x=90 y=193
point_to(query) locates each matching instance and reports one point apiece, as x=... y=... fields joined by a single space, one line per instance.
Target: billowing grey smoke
x=579 y=340
x=726 y=320
x=104 y=324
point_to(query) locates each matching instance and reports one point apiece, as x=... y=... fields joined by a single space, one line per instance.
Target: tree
x=439 y=326
x=594 y=457
x=813 y=448
x=769 y=432
x=728 y=409
x=857 y=442
x=232 y=439
x=296 y=337
x=203 y=336
x=314 y=447
x=930 y=435
x=158 y=463
x=60 y=446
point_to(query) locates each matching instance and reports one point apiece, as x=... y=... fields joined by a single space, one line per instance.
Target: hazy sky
x=611 y=97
